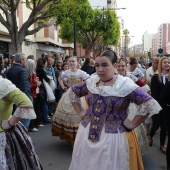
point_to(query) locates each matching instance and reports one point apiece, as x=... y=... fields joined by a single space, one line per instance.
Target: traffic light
x=149 y=54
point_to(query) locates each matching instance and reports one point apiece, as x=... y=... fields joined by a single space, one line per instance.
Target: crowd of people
x=100 y=106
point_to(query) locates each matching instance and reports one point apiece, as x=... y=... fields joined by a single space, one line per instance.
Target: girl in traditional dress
x=142 y=138
x=65 y=120
x=133 y=63
x=17 y=149
x=102 y=138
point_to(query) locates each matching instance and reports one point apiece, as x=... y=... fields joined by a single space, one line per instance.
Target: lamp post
x=75 y=46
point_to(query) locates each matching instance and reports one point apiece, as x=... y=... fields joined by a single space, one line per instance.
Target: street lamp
x=75 y=46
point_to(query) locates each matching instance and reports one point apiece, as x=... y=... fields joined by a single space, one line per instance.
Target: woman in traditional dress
x=65 y=120
x=133 y=63
x=17 y=149
x=142 y=138
x=102 y=138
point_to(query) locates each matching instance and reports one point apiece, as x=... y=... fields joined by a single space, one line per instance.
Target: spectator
x=41 y=64
x=50 y=72
x=18 y=75
x=87 y=67
x=35 y=83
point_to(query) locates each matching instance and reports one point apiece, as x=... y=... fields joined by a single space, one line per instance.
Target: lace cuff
x=146 y=88
x=26 y=112
x=74 y=97
x=151 y=106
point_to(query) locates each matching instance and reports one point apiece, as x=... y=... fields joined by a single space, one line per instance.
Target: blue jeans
x=26 y=122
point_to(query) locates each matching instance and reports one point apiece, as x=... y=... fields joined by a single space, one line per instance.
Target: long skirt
x=119 y=151
x=17 y=151
x=65 y=120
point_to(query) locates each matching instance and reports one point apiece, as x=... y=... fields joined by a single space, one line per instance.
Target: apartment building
x=154 y=50
x=147 y=42
x=164 y=37
x=45 y=41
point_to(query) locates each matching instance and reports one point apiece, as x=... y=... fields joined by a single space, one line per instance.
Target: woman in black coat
x=158 y=83
x=165 y=103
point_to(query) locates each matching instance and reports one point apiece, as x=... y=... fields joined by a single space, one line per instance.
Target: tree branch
x=34 y=14
x=4 y=22
x=30 y=32
x=5 y=2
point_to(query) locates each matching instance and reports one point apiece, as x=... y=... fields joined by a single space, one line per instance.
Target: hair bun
x=132 y=58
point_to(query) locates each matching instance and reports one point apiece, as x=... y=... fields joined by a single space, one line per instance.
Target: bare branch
x=7 y=14
x=30 y=32
x=33 y=17
x=4 y=22
x=6 y=3
x=28 y=4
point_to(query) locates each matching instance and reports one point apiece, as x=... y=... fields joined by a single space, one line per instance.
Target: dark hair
x=111 y=55
x=62 y=67
x=67 y=57
x=30 y=57
x=133 y=61
x=40 y=63
x=86 y=62
x=1 y=63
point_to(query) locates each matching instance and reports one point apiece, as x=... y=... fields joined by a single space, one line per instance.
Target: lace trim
x=6 y=87
x=146 y=88
x=26 y=112
x=151 y=106
x=2 y=151
x=74 y=97
x=121 y=88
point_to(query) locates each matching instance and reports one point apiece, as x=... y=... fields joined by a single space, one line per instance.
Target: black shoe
x=46 y=123
x=50 y=114
x=163 y=149
x=150 y=141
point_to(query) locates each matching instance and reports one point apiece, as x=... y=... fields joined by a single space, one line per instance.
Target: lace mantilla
x=26 y=112
x=121 y=88
x=2 y=151
x=6 y=87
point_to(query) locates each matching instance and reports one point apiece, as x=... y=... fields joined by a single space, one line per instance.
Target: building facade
x=45 y=41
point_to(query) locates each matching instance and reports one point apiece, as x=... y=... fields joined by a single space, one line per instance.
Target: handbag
x=52 y=83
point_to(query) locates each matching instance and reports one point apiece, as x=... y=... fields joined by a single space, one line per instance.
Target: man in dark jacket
x=18 y=75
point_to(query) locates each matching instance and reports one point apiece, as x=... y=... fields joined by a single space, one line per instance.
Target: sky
x=140 y=16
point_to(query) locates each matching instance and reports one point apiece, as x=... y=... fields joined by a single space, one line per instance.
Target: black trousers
x=168 y=145
x=159 y=120
x=37 y=121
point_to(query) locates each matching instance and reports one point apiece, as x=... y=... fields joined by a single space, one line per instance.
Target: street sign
x=160 y=50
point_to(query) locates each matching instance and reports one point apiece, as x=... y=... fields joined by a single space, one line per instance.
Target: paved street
x=55 y=154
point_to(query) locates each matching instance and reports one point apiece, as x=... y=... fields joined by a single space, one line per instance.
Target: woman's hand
x=128 y=124
x=6 y=125
x=83 y=113
x=64 y=88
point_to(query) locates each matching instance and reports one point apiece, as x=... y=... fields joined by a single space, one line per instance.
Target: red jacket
x=33 y=85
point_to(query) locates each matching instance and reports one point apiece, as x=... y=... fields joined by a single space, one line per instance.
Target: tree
x=43 y=13
x=126 y=42
x=91 y=25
